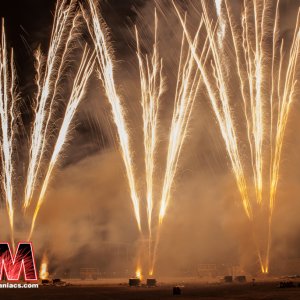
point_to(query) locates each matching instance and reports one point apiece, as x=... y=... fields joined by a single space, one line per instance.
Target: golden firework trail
x=266 y=113
x=98 y=32
x=152 y=87
x=188 y=81
x=85 y=69
x=285 y=98
x=7 y=114
x=223 y=114
x=187 y=86
x=49 y=74
x=63 y=34
x=222 y=25
x=218 y=4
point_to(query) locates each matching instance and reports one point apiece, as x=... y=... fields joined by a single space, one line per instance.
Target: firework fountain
x=8 y=99
x=187 y=86
x=152 y=87
x=50 y=73
x=99 y=35
x=267 y=81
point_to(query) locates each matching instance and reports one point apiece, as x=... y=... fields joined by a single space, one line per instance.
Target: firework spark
x=187 y=86
x=222 y=25
x=188 y=82
x=7 y=114
x=63 y=34
x=105 y=61
x=49 y=75
x=258 y=103
x=85 y=69
x=152 y=88
x=285 y=98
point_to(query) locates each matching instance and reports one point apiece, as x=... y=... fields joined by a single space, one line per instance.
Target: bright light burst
x=44 y=274
x=218 y=4
x=138 y=274
x=266 y=110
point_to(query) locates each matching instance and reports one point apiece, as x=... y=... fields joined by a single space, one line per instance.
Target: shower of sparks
x=266 y=113
x=7 y=115
x=187 y=86
x=285 y=98
x=152 y=88
x=188 y=81
x=85 y=69
x=224 y=118
x=63 y=34
x=105 y=61
x=50 y=72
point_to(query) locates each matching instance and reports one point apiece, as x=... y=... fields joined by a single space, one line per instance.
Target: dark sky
x=32 y=19
x=28 y=24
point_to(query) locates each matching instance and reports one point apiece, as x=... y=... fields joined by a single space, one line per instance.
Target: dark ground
x=265 y=291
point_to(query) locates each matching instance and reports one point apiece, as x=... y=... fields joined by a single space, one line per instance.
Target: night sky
x=28 y=24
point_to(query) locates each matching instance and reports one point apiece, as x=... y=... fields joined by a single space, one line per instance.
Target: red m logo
x=13 y=266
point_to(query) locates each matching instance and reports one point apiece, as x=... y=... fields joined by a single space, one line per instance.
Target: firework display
x=265 y=111
x=193 y=105
x=49 y=72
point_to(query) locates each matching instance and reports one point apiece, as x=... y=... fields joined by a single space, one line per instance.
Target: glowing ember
x=44 y=274
x=138 y=273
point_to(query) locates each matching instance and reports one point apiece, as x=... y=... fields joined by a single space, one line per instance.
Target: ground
x=190 y=290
